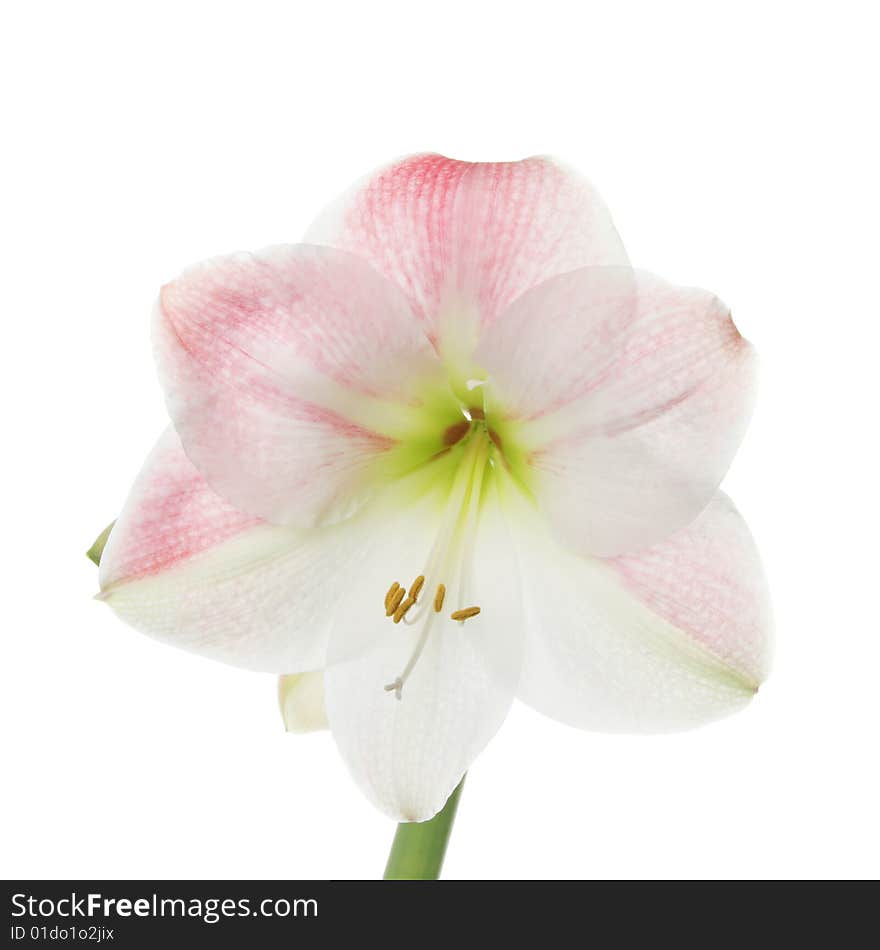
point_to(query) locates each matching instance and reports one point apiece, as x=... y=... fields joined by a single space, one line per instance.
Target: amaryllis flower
x=451 y=451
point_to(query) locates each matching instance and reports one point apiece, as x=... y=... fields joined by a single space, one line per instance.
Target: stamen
x=400 y=612
x=465 y=613
x=394 y=601
x=392 y=590
x=453 y=544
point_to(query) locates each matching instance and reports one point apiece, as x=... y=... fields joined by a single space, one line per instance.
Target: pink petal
x=171 y=516
x=632 y=397
x=466 y=239
x=707 y=581
x=557 y=342
x=281 y=370
x=668 y=639
x=183 y=566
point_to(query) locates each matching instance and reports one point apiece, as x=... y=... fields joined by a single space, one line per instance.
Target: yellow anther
x=465 y=613
x=401 y=610
x=439 y=596
x=394 y=601
x=392 y=590
x=416 y=587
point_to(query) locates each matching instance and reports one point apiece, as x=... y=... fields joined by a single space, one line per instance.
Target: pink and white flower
x=459 y=378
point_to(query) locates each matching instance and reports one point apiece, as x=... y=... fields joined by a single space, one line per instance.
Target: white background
x=736 y=146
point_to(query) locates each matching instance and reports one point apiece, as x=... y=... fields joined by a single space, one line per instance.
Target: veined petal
x=289 y=376
x=301 y=699
x=463 y=240
x=663 y=640
x=556 y=343
x=408 y=755
x=707 y=580
x=628 y=398
x=183 y=566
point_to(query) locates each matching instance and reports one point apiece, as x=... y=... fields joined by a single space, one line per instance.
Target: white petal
x=666 y=640
x=301 y=699
x=408 y=755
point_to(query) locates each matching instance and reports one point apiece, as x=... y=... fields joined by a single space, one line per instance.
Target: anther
x=439 y=597
x=394 y=601
x=392 y=590
x=400 y=612
x=465 y=613
x=416 y=587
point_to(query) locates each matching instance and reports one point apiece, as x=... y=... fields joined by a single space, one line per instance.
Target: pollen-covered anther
x=401 y=610
x=465 y=613
x=393 y=601
x=439 y=597
x=392 y=590
x=416 y=586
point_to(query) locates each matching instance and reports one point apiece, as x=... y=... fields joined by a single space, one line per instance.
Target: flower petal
x=556 y=343
x=463 y=240
x=287 y=375
x=408 y=755
x=183 y=566
x=301 y=698
x=707 y=580
x=667 y=639
x=631 y=397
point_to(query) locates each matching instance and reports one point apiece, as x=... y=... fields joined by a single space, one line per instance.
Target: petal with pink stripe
x=626 y=399
x=667 y=639
x=185 y=567
x=465 y=239
x=290 y=376
x=707 y=581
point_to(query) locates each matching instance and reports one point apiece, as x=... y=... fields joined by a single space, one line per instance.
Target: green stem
x=419 y=847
